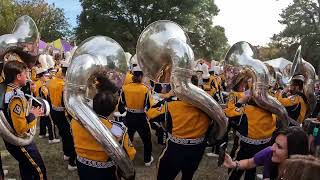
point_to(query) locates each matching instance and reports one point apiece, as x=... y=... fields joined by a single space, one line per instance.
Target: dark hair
x=137 y=76
x=104 y=83
x=300 y=167
x=194 y=80
x=27 y=58
x=12 y=69
x=299 y=83
x=157 y=88
x=104 y=103
x=297 y=141
x=64 y=70
x=237 y=84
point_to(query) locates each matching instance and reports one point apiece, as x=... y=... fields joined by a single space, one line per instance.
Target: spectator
x=288 y=142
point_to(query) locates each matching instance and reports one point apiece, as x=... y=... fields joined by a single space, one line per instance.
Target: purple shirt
x=263 y=158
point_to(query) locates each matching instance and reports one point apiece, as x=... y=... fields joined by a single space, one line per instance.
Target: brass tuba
x=25 y=38
x=98 y=53
x=300 y=66
x=241 y=55
x=164 y=56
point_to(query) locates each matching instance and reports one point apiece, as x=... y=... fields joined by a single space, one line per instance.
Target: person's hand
x=37 y=111
x=228 y=162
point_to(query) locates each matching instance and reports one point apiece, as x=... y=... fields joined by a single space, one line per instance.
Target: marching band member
x=55 y=88
x=136 y=99
x=34 y=74
x=186 y=126
x=239 y=86
x=254 y=127
x=208 y=83
x=92 y=160
x=30 y=162
x=215 y=83
x=133 y=63
x=296 y=103
x=42 y=91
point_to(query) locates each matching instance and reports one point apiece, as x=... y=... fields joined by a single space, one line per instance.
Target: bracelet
x=237 y=165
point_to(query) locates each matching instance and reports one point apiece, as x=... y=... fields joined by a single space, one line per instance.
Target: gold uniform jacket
x=211 y=86
x=296 y=106
x=135 y=96
x=34 y=74
x=128 y=78
x=16 y=107
x=41 y=89
x=55 y=89
x=250 y=120
x=182 y=120
x=87 y=147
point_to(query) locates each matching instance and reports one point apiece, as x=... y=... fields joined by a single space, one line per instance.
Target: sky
x=254 y=21
x=72 y=8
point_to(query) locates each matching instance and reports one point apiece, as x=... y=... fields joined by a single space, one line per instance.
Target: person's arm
x=156 y=111
x=289 y=101
x=242 y=164
x=22 y=122
x=148 y=100
x=232 y=109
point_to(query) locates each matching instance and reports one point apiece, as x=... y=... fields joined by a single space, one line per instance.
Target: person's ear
x=18 y=76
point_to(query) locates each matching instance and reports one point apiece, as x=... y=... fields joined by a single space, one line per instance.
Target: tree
x=51 y=21
x=7 y=16
x=124 y=20
x=267 y=53
x=302 y=20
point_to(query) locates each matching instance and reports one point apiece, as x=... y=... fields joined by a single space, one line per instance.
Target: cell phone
x=222 y=151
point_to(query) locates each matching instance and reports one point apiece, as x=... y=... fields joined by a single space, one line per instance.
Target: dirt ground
x=57 y=168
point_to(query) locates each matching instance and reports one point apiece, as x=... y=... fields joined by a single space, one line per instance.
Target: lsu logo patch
x=17 y=109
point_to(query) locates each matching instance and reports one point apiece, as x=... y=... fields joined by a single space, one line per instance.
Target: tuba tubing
x=24 y=36
x=9 y=135
x=300 y=66
x=240 y=55
x=92 y=56
x=164 y=56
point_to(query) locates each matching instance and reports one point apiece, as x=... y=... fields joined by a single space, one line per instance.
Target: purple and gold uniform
x=254 y=127
x=91 y=153
x=55 y=88
x=128 y=78
x=186 y=126
x=296 y=106
x=30 y=162
x=136 y=99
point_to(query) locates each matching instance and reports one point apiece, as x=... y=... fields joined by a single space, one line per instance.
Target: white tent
x=280 y=63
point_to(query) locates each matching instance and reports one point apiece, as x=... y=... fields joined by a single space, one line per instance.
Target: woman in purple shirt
x=290 y=141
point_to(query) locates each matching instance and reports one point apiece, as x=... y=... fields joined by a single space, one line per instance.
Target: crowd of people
x=140 y=105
